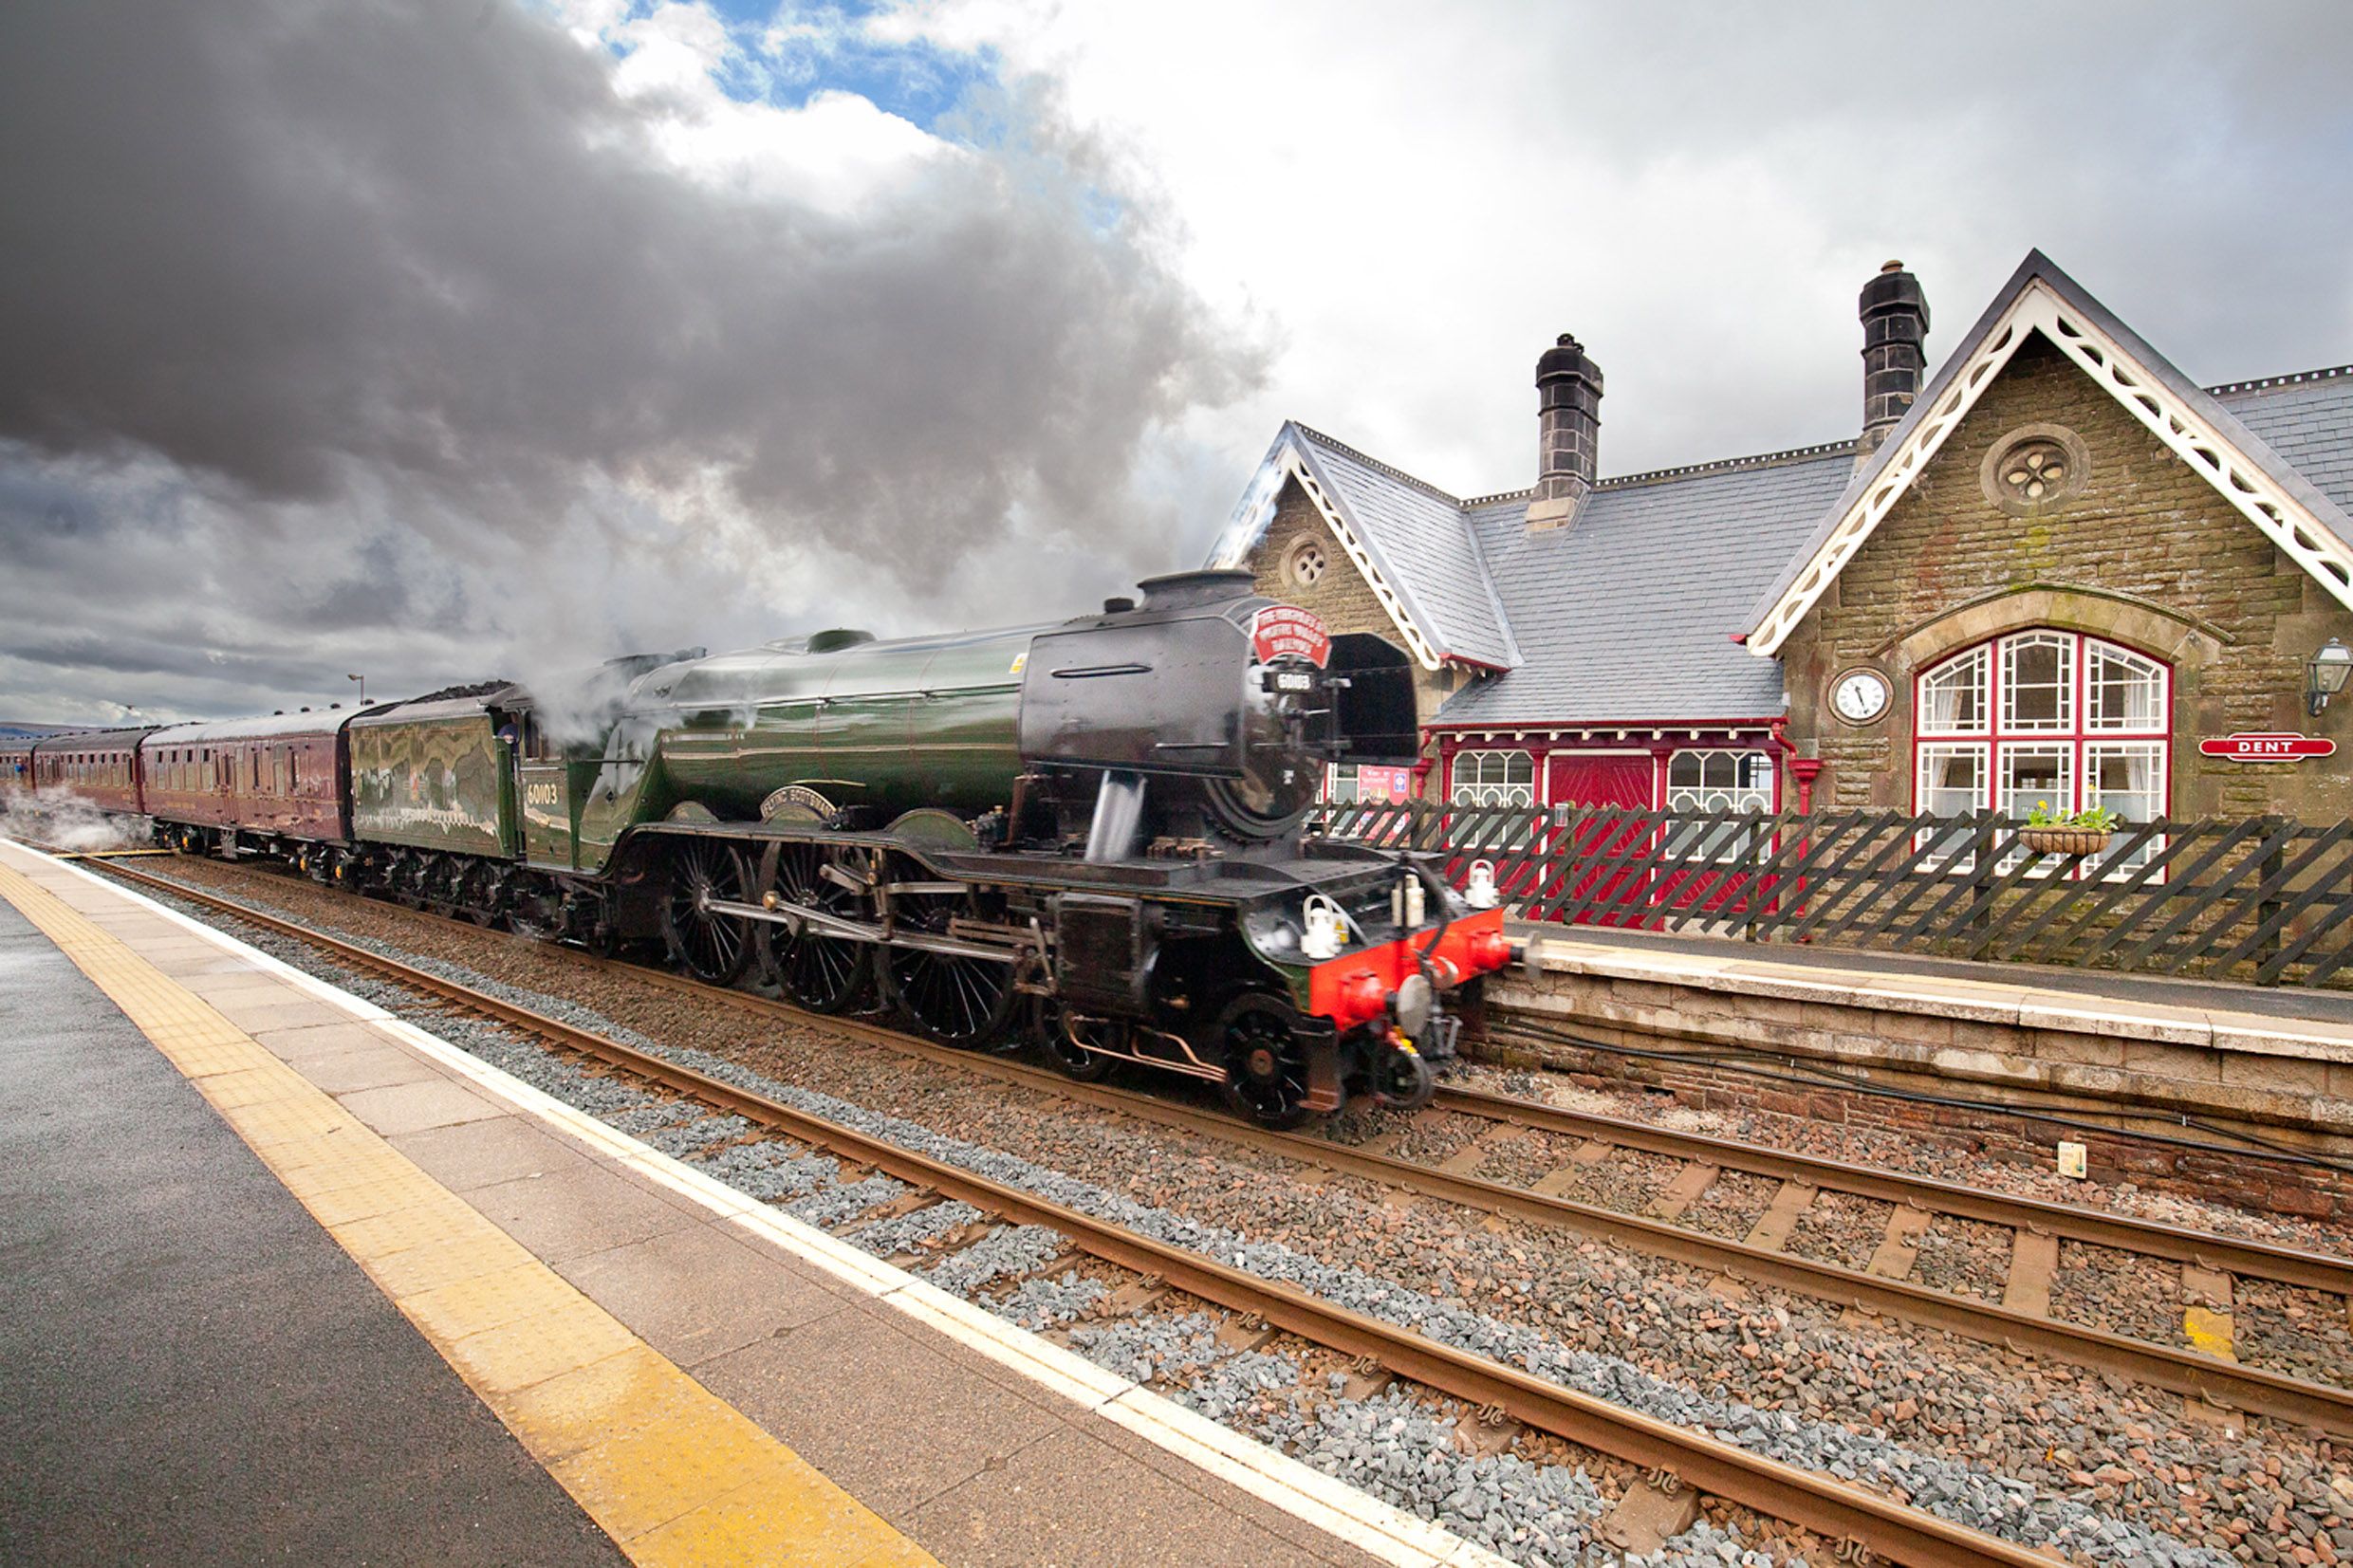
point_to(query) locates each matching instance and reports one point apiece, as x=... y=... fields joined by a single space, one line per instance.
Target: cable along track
x=1865 y=1522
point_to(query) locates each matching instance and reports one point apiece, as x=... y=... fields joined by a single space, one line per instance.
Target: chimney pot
x=1569 y=428
x=1894 y=312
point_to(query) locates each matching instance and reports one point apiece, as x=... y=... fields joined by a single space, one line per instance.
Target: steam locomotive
x=1095 y=835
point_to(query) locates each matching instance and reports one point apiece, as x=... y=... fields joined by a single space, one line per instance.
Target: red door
x=1610 y=855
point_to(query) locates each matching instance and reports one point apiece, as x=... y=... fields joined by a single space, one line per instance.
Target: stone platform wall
x=1726 y=1040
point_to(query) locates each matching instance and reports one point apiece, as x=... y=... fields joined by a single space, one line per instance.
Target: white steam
x=57 y=819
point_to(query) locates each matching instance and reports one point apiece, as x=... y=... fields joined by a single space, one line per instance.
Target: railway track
x=1865 y=1525
x=2022 y=1322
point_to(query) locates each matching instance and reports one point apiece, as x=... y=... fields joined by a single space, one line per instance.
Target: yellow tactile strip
x=671 y=1472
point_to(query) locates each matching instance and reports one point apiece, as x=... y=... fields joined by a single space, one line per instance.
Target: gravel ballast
x=1646 y=1357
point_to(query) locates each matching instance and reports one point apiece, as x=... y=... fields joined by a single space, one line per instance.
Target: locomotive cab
x=1203 y=715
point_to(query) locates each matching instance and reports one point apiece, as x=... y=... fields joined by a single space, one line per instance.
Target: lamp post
x=362 y=680
x=2325 y=674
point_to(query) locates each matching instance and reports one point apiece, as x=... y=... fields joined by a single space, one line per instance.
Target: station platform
x=288 y=1279
x=2272 y=1065
x=2128 y=995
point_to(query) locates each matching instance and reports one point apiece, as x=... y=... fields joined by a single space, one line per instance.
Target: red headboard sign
x=1285 y=630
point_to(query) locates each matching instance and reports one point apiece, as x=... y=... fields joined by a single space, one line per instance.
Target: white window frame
x=1486 y=793
x=2084 y=738
x=1749 y=788
x=1503 y=792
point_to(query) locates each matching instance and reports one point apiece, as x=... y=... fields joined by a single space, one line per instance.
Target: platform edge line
x=1295 y=1488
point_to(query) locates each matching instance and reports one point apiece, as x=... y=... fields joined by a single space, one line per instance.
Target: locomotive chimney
x=1178 y=590
x=1568 y=423
x=1894 y=334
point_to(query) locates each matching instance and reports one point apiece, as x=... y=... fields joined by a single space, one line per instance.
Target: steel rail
x=2153 y=1238
x=2229 y=1384
x=1819 y=1502
x=2207 y=1250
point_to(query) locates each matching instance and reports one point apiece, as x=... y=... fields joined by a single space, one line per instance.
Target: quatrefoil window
x=2031 y=469
x=2035 y=470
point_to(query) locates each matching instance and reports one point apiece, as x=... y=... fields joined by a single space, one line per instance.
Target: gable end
x=2247 y=483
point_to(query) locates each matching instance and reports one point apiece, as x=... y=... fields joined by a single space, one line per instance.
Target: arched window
x=2043 y=717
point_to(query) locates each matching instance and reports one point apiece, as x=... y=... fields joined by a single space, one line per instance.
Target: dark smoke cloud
x=383 y=332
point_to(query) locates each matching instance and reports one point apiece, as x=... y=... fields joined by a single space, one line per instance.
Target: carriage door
x=1605 y=778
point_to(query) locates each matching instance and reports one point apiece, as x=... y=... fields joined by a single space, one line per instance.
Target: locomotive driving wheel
x=1267 y=1066
x=711 y=947
x=955 y=999
x=825 y=974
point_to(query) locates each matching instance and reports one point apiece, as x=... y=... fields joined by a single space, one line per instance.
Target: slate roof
x=1415 y=534
x=1602 y=621
x=1626 y=615
x=2307 y=419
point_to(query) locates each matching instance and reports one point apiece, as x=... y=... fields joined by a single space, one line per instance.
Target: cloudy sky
x=443 y=338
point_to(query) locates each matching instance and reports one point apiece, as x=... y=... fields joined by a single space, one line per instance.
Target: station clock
x=1859 y=696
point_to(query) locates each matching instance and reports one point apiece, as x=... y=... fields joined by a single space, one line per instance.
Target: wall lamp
x=2325 y=673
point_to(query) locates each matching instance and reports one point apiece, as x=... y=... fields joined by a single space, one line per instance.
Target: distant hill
x=10 y=730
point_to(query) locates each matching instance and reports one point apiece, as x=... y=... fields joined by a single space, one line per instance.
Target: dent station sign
x=2244 y=747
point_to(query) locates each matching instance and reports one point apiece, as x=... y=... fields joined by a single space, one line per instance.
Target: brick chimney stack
x=1569 y=415
x=1895 y=357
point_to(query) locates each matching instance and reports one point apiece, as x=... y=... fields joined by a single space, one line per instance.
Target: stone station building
x=2046 y=574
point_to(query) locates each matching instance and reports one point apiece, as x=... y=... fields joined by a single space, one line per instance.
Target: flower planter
x=2065 y=840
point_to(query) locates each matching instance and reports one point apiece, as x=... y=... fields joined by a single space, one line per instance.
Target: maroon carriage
x=251 y=786
x=100 y=765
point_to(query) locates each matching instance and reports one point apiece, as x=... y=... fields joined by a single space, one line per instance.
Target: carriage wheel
x=954 y=1000
x=1267 y=1065
x=710 y=947
x=825 y=974
x=445 y=886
